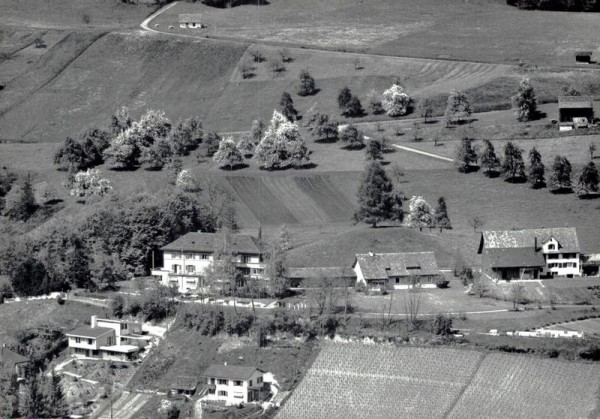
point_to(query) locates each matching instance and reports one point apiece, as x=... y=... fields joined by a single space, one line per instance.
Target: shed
x=190 y=20
x=570 y=107
x=184 y=384
x=583 y=56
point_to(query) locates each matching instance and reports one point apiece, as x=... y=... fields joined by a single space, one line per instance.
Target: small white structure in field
x=190 y=20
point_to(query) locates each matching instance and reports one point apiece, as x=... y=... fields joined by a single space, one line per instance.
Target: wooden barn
x=572 y=108
x=190 y=20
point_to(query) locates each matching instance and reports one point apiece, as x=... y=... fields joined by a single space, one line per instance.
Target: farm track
x=467 y=384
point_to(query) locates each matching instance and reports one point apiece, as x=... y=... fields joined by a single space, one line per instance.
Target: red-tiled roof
x=330 y=272
x=515 y=258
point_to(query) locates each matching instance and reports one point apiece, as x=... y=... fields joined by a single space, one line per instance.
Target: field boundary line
x=466 y=386
x=20 y=103
x=424 y=153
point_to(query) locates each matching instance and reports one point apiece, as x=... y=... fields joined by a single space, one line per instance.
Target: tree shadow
x=516 y=179
x=306 y=166
x=53 y=202
x=493 y=174
x=537 y=115
x=562 y=191
x=234 y=3
x=471 y=169
x=353 y=147
x=326 y=140
x=384 y=162
x=540 y=185
x=389 y=150
x=235 y=167
x=431 y=122
x=590 y=196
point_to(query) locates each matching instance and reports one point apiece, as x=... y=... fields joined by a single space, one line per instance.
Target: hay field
x=401 y=382
x=480 y=30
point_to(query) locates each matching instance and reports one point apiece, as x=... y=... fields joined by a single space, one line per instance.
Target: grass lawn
x=483 y=30
x=18 y=316
x=80 y=14
x=186 y=353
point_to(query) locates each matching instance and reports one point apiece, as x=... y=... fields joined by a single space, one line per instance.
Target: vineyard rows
x=358 y=381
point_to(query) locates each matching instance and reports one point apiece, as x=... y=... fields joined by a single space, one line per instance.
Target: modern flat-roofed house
x=186 y=259
x=13 y=362
x=530 y=254
x=397 y=270
x=233 y=384
x=107 y=339
x=575 y=112
x=190 y=20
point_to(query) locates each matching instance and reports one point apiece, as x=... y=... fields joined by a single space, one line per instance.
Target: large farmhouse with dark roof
x=396 y=270
x=186 y=259
x=530 y=254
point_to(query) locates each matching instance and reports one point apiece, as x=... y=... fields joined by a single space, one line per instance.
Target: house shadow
x=516 y=180
x=537 y=115
x=306 y=166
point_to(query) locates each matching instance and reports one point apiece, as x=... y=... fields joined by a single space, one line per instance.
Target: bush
x=60 y=300
x=441 y=325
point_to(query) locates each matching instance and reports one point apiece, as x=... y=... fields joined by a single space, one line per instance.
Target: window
x=246 y=258
x=211 y=391
x=176 y=268
x=77 y=340
x=190 y=268
x=176 y=255
x=397 y=280
x=238 y=395
x=211 y=381
x=189 y=256
x=123 y=326
x=259 y=380
x=553 y=256
x=222 y=393
x=81 y=351
x=204 y=256
x=250 y=383
x=222 y=382
x=551 y=247
x=90 y=341
x=237 y=383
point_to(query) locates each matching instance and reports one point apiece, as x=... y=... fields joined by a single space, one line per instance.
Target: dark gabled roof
x=205 y=242
x=90 y=332
x=516 y=258
x=580 y=53
x=230 y=372
x=185 y=382
x=314 y=273
x=190 y=17
x=9 y=357
x=566 y=237
x=386 y=265
x=575 y=102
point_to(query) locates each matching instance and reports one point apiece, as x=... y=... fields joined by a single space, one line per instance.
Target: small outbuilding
x=190 y=20
x=184 y=385
x=571 y=110
x=584 y=57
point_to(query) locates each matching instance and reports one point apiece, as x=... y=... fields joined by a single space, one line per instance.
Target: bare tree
x=412 y=301
x=285 y=56
x=476 y=222
x=592 y=150
x=517 y=292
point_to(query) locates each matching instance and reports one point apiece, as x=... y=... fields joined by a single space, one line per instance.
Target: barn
x=584 y=57
x=571 y=110
x=190 y=20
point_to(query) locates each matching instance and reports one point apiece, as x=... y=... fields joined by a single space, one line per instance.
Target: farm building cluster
x=515 y=254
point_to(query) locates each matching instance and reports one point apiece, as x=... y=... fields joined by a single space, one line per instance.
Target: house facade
x=119 y=340
x=186 y=259
x=234 y=384
x=530 y=254
x=190 y=20
x=379 y=271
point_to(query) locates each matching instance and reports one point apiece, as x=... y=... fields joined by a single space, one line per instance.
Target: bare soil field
x=388 y=382
x=482 y=30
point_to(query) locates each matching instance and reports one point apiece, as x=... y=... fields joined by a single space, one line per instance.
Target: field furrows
x=274 y=200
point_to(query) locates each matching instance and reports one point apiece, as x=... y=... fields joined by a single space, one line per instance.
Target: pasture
x=481 y=30
x=389 y=382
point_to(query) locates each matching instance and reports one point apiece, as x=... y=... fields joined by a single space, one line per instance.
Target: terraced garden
x=391 y=382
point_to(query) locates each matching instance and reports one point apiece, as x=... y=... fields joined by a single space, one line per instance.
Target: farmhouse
x=184 y=385
x=575 y=111
x=398 y=270
x=530 y=254
x=193 y=20
x=13 y=362
x=107 y=339
x=235 y=384
x=186 y=259
x=314 y=277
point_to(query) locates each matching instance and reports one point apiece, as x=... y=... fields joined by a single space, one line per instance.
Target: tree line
x=557 y=5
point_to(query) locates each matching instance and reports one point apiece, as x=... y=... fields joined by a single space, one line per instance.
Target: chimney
x=94 y=322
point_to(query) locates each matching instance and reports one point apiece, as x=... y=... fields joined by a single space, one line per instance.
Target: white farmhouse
x=186 y=259
x=190 y=20
x=234 y=384
x=530 y=254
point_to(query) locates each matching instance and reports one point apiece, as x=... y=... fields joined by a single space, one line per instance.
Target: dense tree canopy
x=525 y=101
x=513 y=166
x=395 y=101
x=376 y=198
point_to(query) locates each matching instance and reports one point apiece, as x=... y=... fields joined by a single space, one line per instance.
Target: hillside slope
x=183 y=78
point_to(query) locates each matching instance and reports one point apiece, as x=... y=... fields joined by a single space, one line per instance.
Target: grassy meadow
x=481 y=30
